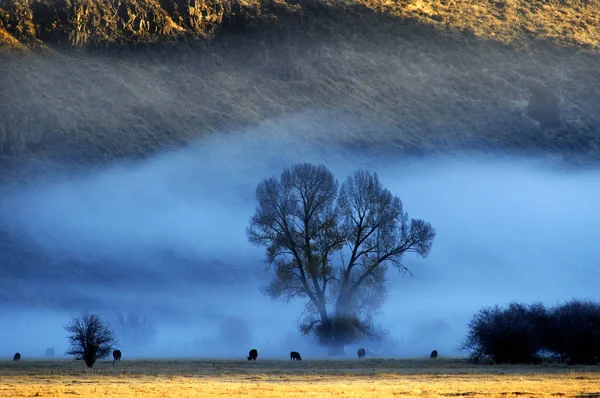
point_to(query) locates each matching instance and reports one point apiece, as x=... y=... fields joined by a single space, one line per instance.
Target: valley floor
x=275 y=378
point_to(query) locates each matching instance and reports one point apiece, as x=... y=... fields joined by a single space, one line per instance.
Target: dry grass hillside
x=99 y=80
x=571 y=22
x=102 y=22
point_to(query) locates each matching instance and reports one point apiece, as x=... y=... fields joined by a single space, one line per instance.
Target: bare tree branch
x=90 y=338
x=305 y=218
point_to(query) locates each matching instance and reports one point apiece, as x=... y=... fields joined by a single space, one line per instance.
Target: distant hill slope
x=103 y=22
x=403 y=77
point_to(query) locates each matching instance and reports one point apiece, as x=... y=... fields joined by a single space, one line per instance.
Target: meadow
x=275 y=378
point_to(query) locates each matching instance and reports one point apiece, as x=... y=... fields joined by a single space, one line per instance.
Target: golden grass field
x=276 y=378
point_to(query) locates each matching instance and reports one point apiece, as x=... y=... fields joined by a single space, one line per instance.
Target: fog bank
x=165 y=239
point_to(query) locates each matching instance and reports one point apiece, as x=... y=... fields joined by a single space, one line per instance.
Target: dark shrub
x=573 y=332
x=511 y=335
x=544 y=107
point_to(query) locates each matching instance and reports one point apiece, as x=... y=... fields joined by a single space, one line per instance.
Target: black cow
x=295 y=356
x=252 y=355
x=17 y=357
x=116 y=356
x=434 y=354
x=361 y=353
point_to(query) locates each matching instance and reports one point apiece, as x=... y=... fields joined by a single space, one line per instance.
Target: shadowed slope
x=397 y=78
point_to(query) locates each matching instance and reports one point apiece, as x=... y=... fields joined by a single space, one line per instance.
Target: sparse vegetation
x=90 y=338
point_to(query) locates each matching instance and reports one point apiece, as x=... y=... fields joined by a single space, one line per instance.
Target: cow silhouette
x=434 y=354
x=116 y=356
x=295 y=356
x=252 y=355
x=361 y=353
x=17 y=357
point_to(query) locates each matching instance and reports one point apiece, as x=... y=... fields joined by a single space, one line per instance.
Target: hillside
x=91 y=23
x=92 y=81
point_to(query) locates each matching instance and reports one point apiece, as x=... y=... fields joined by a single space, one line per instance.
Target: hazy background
x=165 y=239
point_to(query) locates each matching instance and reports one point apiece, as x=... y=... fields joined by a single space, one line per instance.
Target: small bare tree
x=332 y=244
x=90 y=338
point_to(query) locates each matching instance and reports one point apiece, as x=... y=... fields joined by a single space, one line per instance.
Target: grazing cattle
x=49 y=352
x=434 y=354
x=116 y=356
x=17 y=357
x=361 y=353
x=252 y=355
x=295 y=356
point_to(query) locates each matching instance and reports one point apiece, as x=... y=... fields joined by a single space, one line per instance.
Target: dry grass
x=571 y=22
x=9 y=42
x=366 y=80
x=369 y=378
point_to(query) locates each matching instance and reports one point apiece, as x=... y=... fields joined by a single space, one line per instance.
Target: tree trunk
x=330 y=339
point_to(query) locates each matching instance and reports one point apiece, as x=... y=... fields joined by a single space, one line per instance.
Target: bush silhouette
x=518 y=333
x=511 y=335
x=573 y=332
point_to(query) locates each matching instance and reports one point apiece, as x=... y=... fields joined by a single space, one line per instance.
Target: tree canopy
x=332 y=244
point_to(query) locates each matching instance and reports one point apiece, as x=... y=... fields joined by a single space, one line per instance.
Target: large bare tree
x=332 y=244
